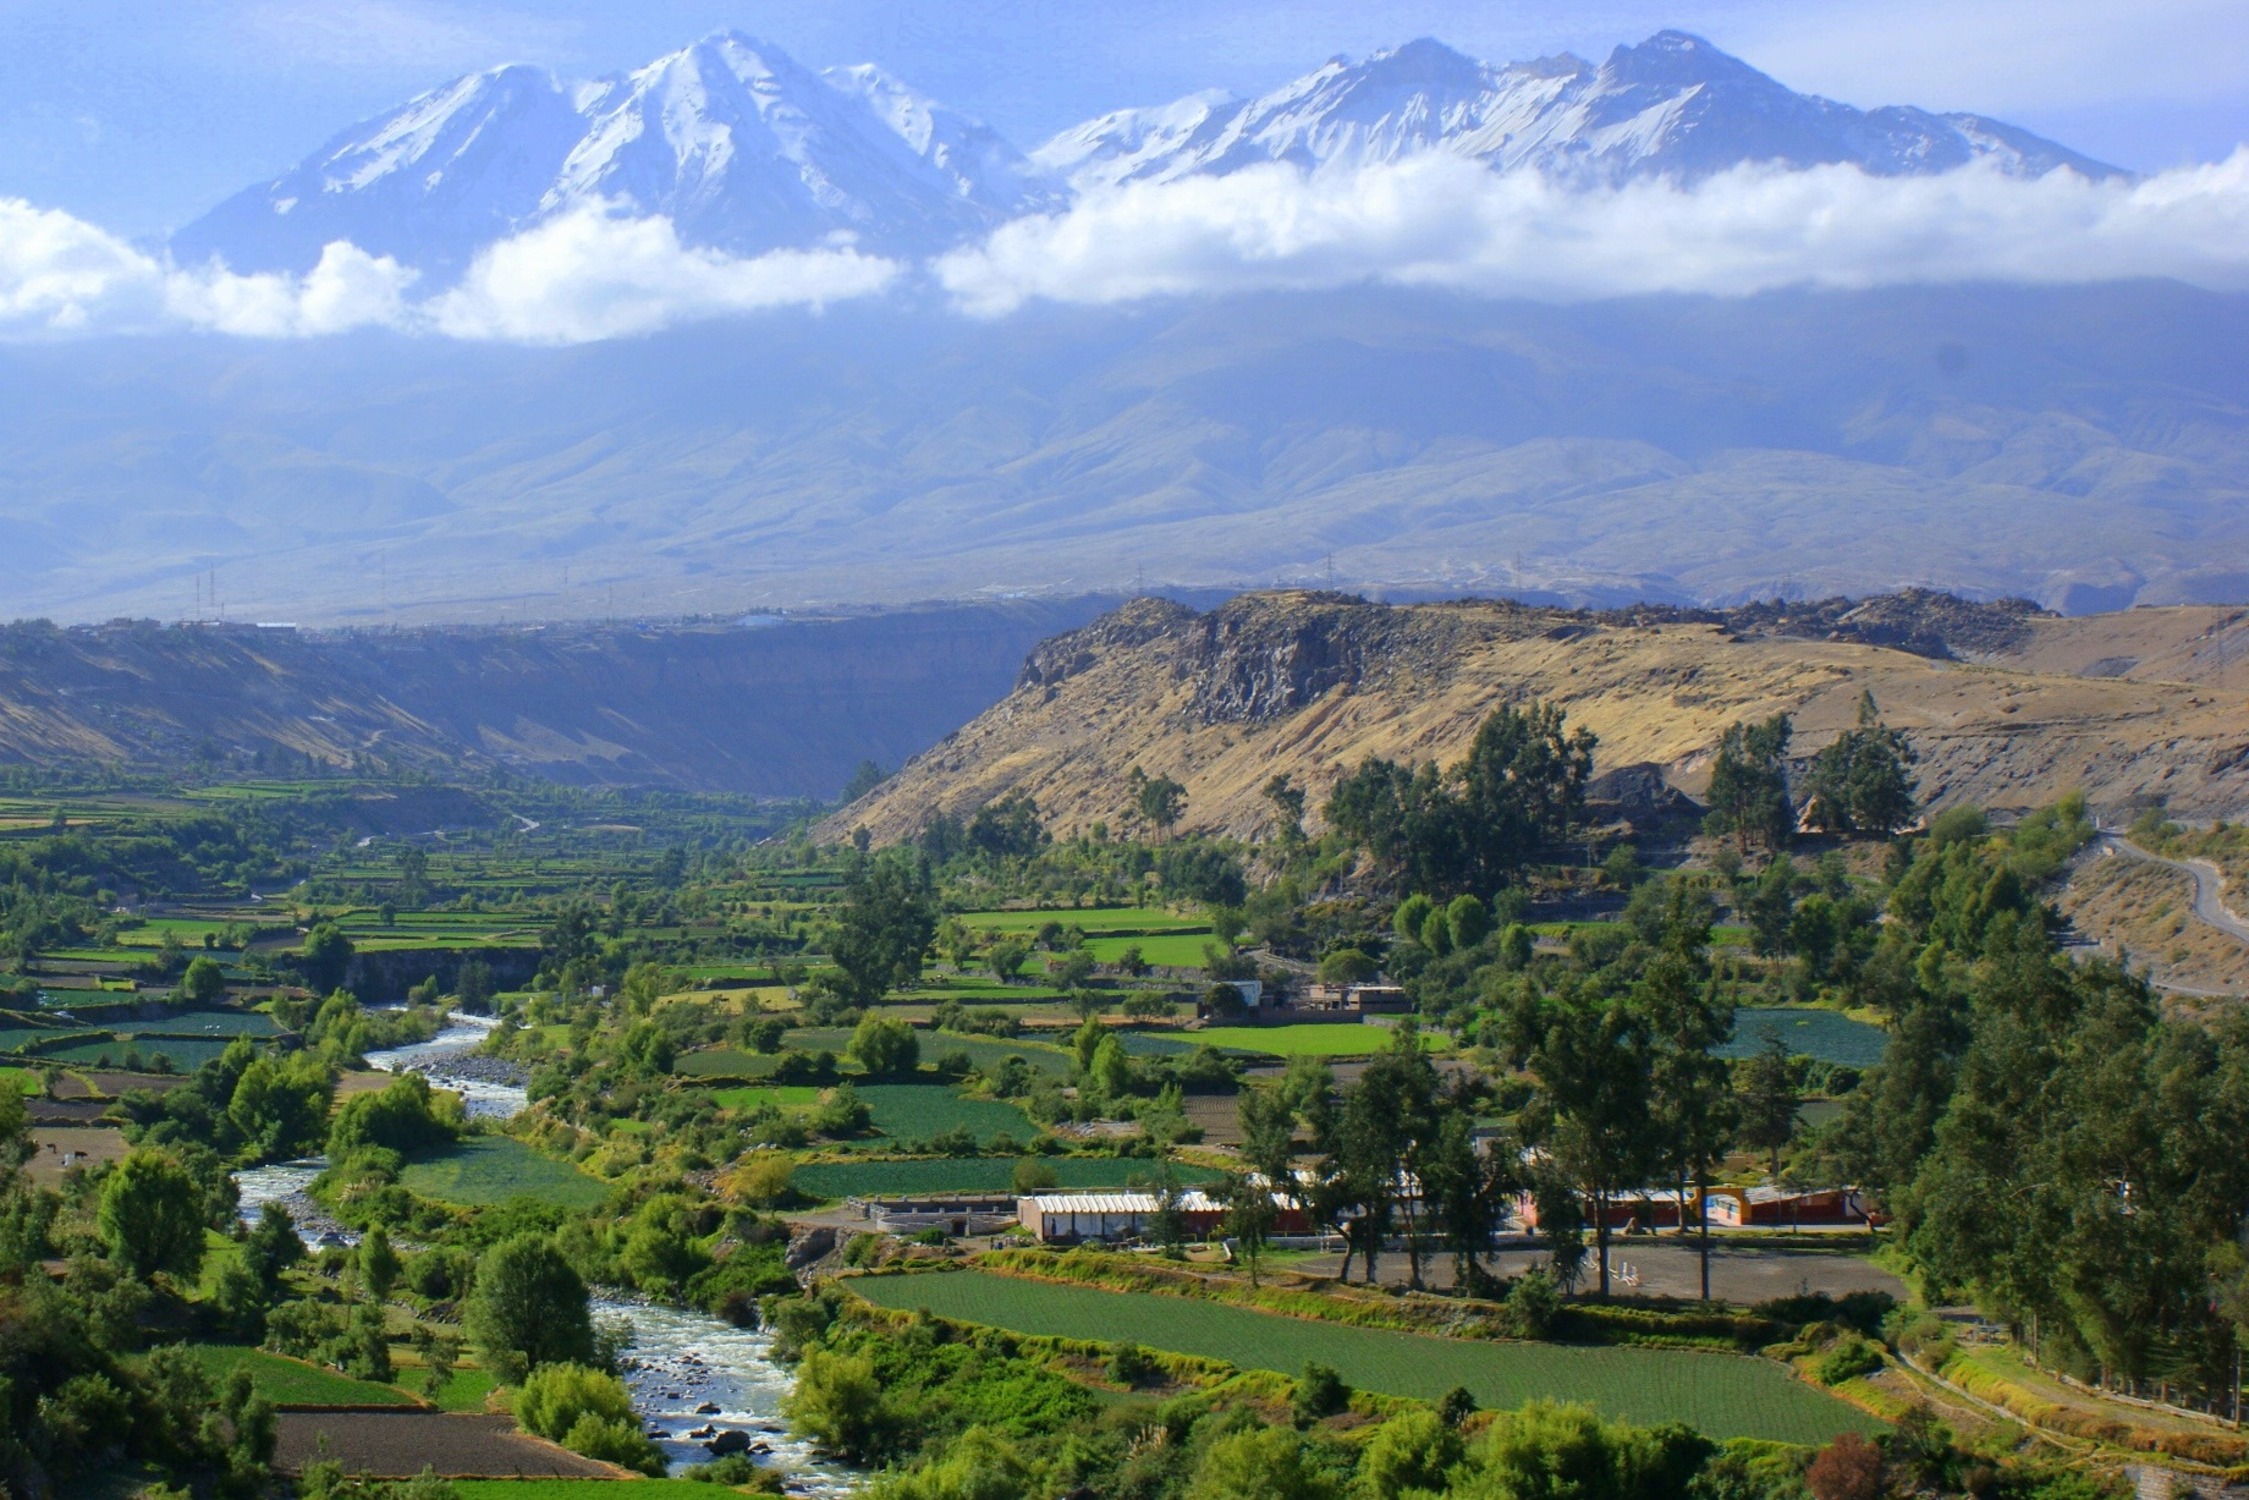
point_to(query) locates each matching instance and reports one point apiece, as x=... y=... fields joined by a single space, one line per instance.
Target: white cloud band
x=1433 y=220
x=1442 y=221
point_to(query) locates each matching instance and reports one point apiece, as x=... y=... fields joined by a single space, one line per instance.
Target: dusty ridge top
x=2008 y=706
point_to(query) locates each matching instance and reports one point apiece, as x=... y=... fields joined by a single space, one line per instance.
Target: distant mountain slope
x=2086 y=447
x=785 y=709
x=1672 y=106
x=746 y=150
x=739 y=145
x=1310 y=684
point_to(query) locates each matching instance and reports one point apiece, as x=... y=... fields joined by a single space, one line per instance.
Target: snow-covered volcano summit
x=1673 y=106
x=746 y=150
x=742 y=147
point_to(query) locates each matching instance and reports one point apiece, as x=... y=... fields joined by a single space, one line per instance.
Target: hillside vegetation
x=1309 y=684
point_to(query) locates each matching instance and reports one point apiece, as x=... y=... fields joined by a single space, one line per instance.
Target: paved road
x=2209 y=886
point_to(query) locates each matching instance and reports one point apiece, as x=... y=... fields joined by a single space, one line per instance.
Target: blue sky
x=137 y=114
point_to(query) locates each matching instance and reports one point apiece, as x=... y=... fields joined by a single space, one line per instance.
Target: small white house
x=1072 y=1217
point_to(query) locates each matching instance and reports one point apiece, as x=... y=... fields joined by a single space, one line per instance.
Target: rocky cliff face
x=1312 y=683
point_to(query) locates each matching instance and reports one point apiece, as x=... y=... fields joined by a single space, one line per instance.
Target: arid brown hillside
x=1311 y=683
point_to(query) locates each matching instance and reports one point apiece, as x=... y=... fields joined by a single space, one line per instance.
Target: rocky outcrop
x=1310 y=684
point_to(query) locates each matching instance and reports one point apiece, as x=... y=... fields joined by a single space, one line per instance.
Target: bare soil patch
x=56 y=1148
x=397 y=1445
x=1740 y=1274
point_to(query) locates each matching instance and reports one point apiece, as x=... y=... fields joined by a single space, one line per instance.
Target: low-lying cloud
x=585 y=276
x=1442 y=221
x=1431 y=221
x=589 y=276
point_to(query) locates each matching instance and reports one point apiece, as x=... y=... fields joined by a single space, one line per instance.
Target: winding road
x=2209 y=885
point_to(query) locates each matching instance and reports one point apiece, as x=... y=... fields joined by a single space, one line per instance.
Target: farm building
x=1739 y=1207
x=1650 y=1208
x=1071 y=1217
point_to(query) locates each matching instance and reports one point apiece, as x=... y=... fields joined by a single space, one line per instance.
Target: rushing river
x=488 y=1086
x=676 y=1361
x=679 y=1361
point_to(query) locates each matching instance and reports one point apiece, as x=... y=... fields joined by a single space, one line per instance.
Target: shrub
x=1320 y=1392
x=1034 y=1176
x=1533 y=1303
x=1129 y=1364
x=613 y=1441
x=1850 y=1468
x=555 y=1397
x=1848 y=1358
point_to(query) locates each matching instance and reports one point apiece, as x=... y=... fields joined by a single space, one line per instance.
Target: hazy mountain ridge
x=781 y=709
x=746 y=150
x=2088 y=448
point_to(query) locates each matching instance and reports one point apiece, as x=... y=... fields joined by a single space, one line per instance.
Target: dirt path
x=2209 y=886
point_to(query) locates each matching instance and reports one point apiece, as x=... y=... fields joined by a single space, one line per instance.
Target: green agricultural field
x=917 y=1111
x=22 y=1080
x=1108 y=919
x=488 y=1169
x=1314 y=1039
x=989 y=1051
x=785 y=1096
x=971 y=1174
x=1160 y=1043
x=725 y=1062
x=186 y=1053
x=292 y=1382
x=1170 y=950
x=1809 y=1031
x=219 y=1023
x=1724 y=1395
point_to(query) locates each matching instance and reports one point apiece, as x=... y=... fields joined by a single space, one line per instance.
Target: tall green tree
x=152 y=1216
x=1593 y=1058
x=884 y=925
x=528 y=1308
x=1158 y=799
x=1863 y=781
x=1770 y=1100
x=1748 y=796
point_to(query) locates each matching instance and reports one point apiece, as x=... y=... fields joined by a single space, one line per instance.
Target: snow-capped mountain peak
x=1671 y=106
x=746 y=150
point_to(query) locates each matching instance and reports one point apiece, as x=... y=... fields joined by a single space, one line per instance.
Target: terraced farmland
x=1725 y=1395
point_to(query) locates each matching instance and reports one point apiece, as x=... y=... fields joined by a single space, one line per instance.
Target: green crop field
x=969 y=1174
x=788 y=1096
x=1109 y=919
x=22 y=1080
x=292 y=1382
x=987 y=1051
x=1314 y=1039
x=725 y=1062
x=917 y=1111
x=486 y=1169
x=1724 y=1395
x=1172 y=950
x=219 y=1023
x=186 y=1053
x=1809 y=1031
